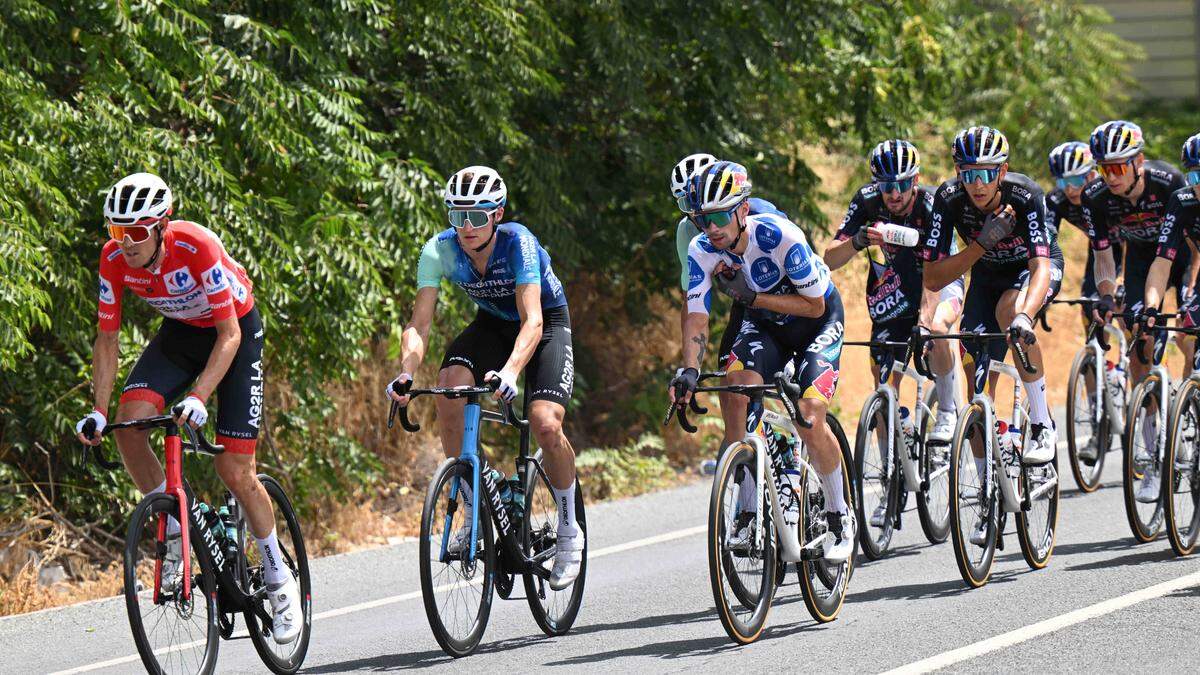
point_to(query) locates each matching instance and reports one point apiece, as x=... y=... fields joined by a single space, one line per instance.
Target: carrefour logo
x=179 y=281
x=798 y=265
x=695 y=274
x=215 y=279
x=765 y=273
x=106 y=292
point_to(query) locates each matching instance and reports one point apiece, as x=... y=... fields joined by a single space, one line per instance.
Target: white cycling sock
x=1039 y=412
x=1150 y=433
x=566 y=506
x=835 y=496
x=945 y=386
x=172 y=524
x=464 y=489
x=274 y=571
x=747 y=496
x=980 y=468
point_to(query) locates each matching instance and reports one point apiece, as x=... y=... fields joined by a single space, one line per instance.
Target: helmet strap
x=489 y=239
x=157 y=248
x=738 y=238
x=1137 y=177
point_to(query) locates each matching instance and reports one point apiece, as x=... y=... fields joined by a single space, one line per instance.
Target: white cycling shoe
x=840 y=546
x=1149 y=491
x=1041 y=446
x=979 y=533
x=285 y=610
x=943 y=426
x=879 y=515
x=741 y=536
x=568 y=557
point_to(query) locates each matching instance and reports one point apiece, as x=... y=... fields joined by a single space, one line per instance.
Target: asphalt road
x=1104 y=604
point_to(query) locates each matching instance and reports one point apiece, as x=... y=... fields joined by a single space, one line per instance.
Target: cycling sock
x=464 y=489
x=1150 y=433
x=1039 y=412
x=273 y=570
x=980 y=468
x=566 y=506
x=835 y=496
x=944 y=386
x=172 y=524
x=747 y=499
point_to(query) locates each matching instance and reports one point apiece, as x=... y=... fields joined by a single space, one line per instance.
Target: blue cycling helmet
x=1190 y=157
x=1073 y=158
x=894 y=160
x=720 y=186
x=1117 y=140
x=980 y=145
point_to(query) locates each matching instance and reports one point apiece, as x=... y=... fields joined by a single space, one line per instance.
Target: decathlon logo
x=179 y=281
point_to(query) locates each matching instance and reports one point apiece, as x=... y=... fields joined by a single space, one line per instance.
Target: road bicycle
x=1007 y=486
x=178 y=623
x=788 y=498
x=892 y=457
x=1181 y=482
x=1095 y=414
x=508 y=536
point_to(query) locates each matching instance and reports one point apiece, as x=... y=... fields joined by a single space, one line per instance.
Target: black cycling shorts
x=988 y=285
x=487 y=342
x=895 y=330
x=1138 y=260
x=815 y=344
x=177 y=355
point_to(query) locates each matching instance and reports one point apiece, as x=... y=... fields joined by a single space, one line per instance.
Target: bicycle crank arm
x=815 y=549
x=1043 y=489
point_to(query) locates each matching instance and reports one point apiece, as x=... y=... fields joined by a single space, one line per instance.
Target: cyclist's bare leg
x=545 y=421
x=239 y=475
x=822 y=446
x=730 y=407
x=134 y=445
x=1187 y=345
x=450 y=410
x=941 y=358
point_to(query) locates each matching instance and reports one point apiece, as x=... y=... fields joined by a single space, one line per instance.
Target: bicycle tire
x=295 y=558
x=454 y=645
x=1183 y=477
x=1087 y=477
x=1038 y=547
x=739 y=630
x=824 y=603
x=203 y=592
x=975 y=572
x=875 y=541
x=935 y=521
x=536 y=538
x=1144 y=529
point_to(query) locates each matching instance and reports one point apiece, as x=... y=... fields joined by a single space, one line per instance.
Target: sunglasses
x=1072 y=181
x=477 y=218
x=136 y=233
x=985 y=176
x=1116 y=169
x=886 y=186
x=718 y=219
x=1192 y=177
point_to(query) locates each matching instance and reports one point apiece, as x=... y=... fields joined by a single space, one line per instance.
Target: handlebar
x=196 y=440
x=509 y=417
x=780 y=389
x=1138 y=346
x=1018 y=349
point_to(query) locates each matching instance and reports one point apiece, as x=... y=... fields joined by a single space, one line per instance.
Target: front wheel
x=1181 y=474
x=933 y=503
x=1089 y=432
x=878 y=484
x=1037 y=524
x=1141 y=460
x=456 y=586
x=173 y=634
x=823 y=584
x=975 y=506
x=554 y=611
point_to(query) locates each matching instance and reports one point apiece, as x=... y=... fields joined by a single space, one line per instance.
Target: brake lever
x=1019 y=350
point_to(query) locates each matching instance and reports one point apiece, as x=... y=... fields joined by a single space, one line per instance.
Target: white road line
x=390 y=600
x=1045 y=627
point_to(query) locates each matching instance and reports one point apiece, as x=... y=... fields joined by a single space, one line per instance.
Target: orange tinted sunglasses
x=137 y=233
x=1116 y=169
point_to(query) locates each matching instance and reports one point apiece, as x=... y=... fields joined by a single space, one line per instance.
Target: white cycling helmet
x=717 y=187
x=475 y=187
x=1116 y=140
x=685 y=169
x=137 y=197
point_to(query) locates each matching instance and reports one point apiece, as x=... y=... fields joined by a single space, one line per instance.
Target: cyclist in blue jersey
x=522 y=325
x=896 y=300
x=685 y=231
x=793 y=313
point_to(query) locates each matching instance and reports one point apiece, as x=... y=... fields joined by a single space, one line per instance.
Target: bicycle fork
x=772 y=492
x=471 y=417
x=173 y=452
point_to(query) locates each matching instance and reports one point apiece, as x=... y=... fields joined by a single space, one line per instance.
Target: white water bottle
x=908 y=432
x=898 y=235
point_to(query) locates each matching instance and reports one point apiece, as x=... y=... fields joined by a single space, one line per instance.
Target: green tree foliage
x=313 y=137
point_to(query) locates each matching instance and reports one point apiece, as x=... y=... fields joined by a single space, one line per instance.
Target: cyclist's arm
x=794 y=305
x=1106 y=271
x=1193 y=264
x=941 y=273
x=841 y=250
x=695 y=339
x=838 y=253
x=104 y=368
x=529 y=306
x=413 y=341
x=1039 y=284
x=229 y=337
x=1156 y=282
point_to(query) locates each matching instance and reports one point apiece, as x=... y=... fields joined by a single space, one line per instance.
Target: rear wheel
x=878 y=477
x=1087 y=427
x=823 y=584
x=1037 y=525
x=1141 y=460
x=1181 y=476
x=974 y=499
x=554 y=611
x=933 y=503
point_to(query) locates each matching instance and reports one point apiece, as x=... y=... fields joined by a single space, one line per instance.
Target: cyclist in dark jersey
x=1072 y=166
x=1130 y=203
x=1182 y=223
x=896 y=299
x=1015 y=263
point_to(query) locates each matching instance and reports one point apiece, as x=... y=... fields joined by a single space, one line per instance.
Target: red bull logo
x=824 y=384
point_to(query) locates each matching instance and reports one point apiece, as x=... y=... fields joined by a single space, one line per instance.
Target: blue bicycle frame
x=471 y=417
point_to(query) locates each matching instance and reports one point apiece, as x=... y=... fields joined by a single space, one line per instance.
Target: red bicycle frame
x=174 y=459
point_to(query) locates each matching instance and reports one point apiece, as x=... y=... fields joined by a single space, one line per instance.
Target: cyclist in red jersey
x=210 y=341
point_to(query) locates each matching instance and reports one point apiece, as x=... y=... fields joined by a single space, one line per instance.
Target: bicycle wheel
x=974 y=499
x=554 y=611
x=933 y=503
x=878 y=476
x=279 y=658
x=457 y=590
x=1083 y=429
x=173 y=635
x=823 y=584
x=743 y=582
x=1038 y=525
x=1145 y=520
x=1181 y=478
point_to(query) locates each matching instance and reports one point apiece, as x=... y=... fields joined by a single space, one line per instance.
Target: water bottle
x=230 y=527
x=1115 y=379
x=898 y=235
x=516 y=503
x=501 y=483
x=908 y=432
